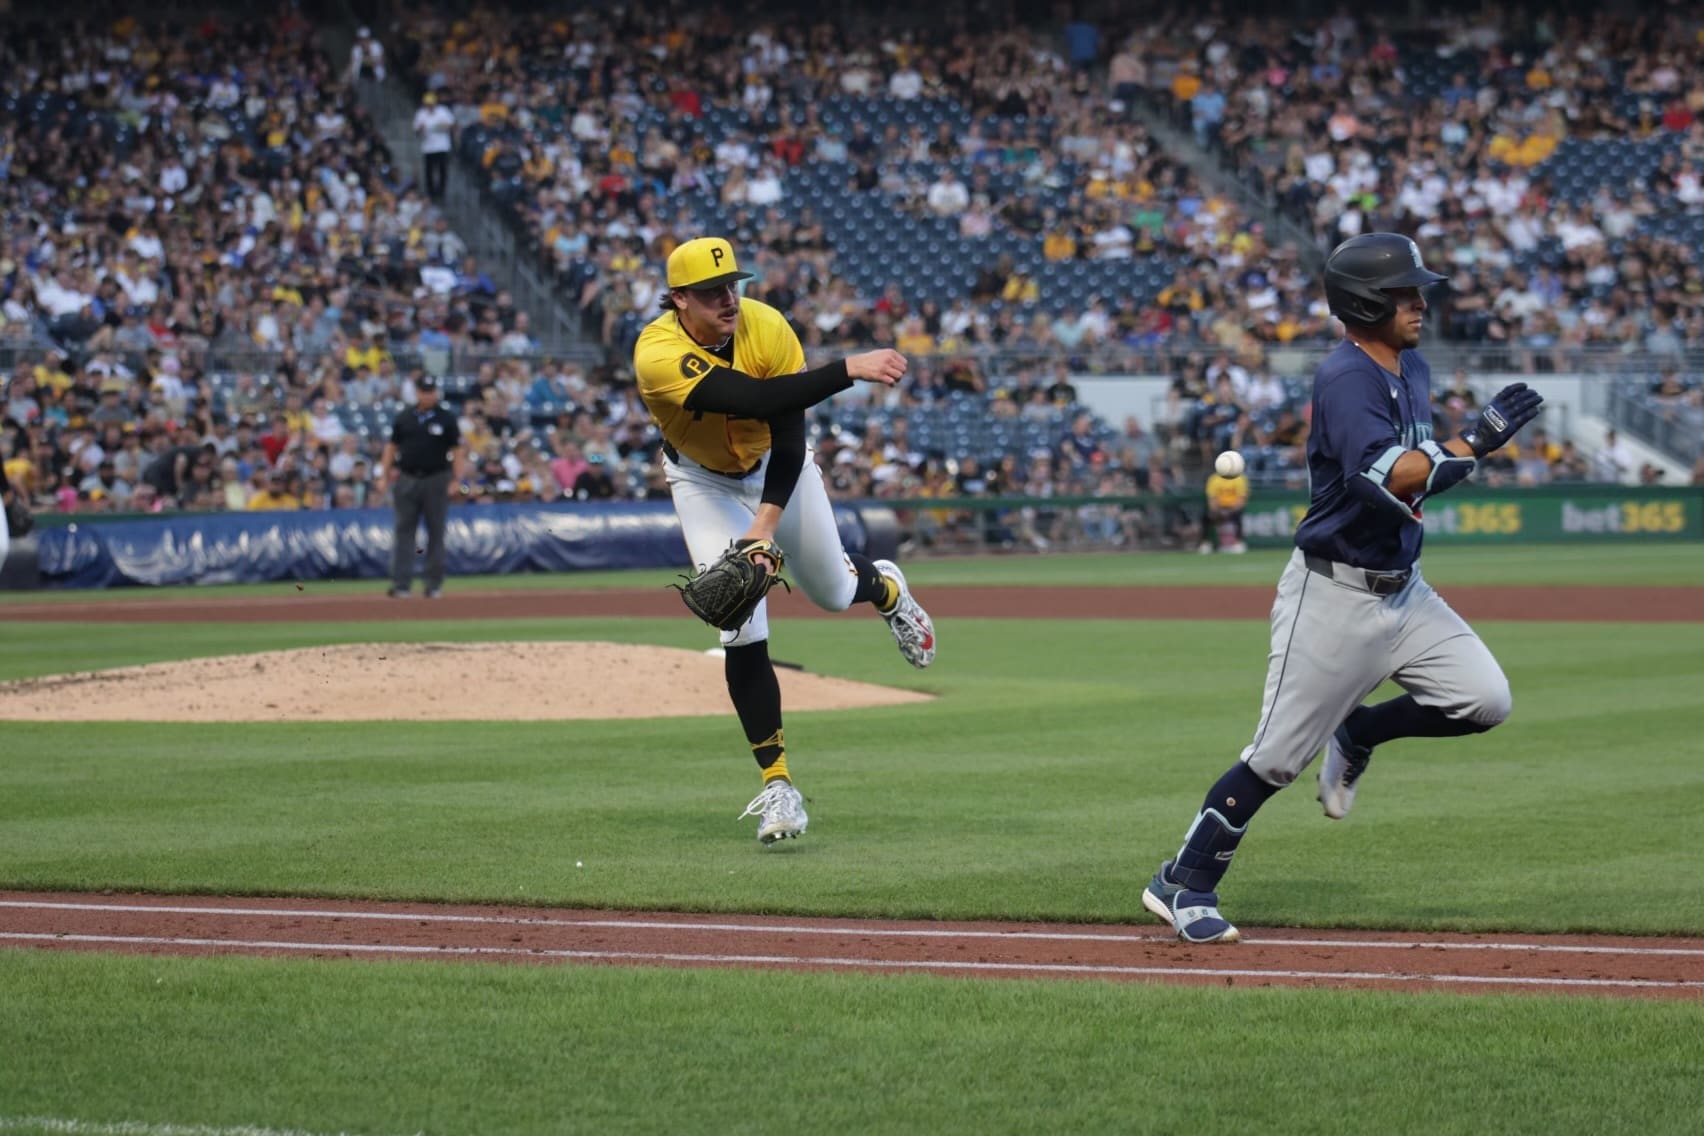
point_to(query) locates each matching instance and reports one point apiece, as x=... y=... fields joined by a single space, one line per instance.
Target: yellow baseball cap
x=704 y=263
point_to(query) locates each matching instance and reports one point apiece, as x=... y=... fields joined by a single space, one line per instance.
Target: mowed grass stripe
x=1059 y=765
x=385 y=1047
x=1608 y=565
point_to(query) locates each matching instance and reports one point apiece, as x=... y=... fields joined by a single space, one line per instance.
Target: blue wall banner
x=230 y=548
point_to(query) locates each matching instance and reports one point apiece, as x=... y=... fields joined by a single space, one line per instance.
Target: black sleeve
x=727 y=391
x=786 y=457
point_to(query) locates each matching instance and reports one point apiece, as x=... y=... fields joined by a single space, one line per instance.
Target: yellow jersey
x=1227 y=492
x=670 y=365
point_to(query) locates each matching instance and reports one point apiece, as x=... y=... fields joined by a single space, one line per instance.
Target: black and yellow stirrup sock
x=873 y=587
x=757 y=699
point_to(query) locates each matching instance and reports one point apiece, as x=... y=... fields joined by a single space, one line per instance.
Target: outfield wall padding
x=231 y=548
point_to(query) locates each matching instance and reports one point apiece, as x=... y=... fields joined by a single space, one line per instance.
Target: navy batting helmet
x=1360 y=272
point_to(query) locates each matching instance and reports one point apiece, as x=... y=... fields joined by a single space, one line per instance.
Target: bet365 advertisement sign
x=1594 y=513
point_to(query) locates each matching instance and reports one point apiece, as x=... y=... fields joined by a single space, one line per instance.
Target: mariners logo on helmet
x=1361 y=272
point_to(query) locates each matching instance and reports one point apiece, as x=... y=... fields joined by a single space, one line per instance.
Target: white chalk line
x=860 y=963
x=59 y=1124
x=864 y=931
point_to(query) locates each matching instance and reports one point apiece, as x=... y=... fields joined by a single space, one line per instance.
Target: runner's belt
x=1366 y=579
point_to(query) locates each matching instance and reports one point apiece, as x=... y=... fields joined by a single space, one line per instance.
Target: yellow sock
x=771 y=746
x=888 y=602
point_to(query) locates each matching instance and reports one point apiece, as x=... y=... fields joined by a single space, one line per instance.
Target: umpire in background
x=421 y=460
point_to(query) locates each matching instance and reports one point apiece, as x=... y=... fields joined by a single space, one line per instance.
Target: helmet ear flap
x=1367 y=306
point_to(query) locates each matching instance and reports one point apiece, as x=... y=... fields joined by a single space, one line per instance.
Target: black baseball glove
x=19 y=519
x=726 y=593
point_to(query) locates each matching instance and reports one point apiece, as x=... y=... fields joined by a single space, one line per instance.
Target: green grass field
x=1061 y=761
x=1638 y=565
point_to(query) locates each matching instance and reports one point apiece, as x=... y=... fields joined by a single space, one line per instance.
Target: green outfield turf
x=1650 y=565
x=381 y=1048
x=1061 y=761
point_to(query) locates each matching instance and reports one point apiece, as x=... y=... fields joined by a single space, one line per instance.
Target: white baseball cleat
x=1342 y=768
x=781 y=808
x=910 y=624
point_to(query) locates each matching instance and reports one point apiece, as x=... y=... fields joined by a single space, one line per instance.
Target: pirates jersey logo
x=693 y=367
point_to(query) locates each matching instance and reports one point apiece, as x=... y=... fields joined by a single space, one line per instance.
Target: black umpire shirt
x=424 y=439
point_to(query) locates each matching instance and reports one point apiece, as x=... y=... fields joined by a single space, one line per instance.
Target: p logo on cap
x=706 y=262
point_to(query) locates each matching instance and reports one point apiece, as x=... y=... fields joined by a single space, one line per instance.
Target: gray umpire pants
x=416 y=498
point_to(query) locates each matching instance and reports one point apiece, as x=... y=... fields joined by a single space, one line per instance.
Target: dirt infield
x=1587 y=965
x=1592 y=604
x=419 y=682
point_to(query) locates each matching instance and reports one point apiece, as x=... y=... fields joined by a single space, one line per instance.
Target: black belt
x=1378 y=583
x=674 y=456
x=424 y=473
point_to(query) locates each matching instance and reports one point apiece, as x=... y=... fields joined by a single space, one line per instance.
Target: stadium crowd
x=603 y=129
x=1555 y=163
x=214 y=191
x=171 y=204
x=671 y=105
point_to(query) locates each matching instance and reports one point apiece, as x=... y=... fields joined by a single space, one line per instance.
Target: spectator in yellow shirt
x=52 y=375
x=1227 y=497
x=1181 y=293
x=1185 y=85
x=370 y=354
x=20 y=471
x=1059 y=244
x=914 y=338
x=276 y=496
x=1020 y=288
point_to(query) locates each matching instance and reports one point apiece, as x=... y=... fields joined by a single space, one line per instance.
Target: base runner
x=1352 y=608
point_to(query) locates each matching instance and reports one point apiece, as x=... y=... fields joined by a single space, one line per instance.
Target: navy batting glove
x=1514 y=406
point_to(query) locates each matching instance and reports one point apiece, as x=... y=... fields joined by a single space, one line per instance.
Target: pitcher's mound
x=420 y=682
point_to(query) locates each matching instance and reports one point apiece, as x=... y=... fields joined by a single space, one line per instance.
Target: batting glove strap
x=1513 y=407
x=1447 y=470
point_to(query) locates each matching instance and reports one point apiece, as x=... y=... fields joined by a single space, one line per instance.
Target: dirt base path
x=1670 y=605
x=184 y=925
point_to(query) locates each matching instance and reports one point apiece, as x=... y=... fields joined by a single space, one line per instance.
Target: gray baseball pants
x=1334 y=641
x=416 y=498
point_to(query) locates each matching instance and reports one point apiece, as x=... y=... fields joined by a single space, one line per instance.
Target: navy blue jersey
x=1364 y=417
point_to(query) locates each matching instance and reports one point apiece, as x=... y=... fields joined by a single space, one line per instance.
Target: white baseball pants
x=715 y=510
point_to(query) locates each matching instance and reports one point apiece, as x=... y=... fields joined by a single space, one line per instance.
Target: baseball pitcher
x=1352 y=608
x=724 y=378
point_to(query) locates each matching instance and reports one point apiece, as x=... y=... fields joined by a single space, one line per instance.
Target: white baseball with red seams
x=1229 y=464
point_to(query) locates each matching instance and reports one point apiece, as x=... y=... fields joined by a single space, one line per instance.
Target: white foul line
x=57 y=1124
x=870 y=932
x=810 y=960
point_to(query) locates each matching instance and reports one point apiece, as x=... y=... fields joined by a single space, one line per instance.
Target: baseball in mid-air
x=1228 y=464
